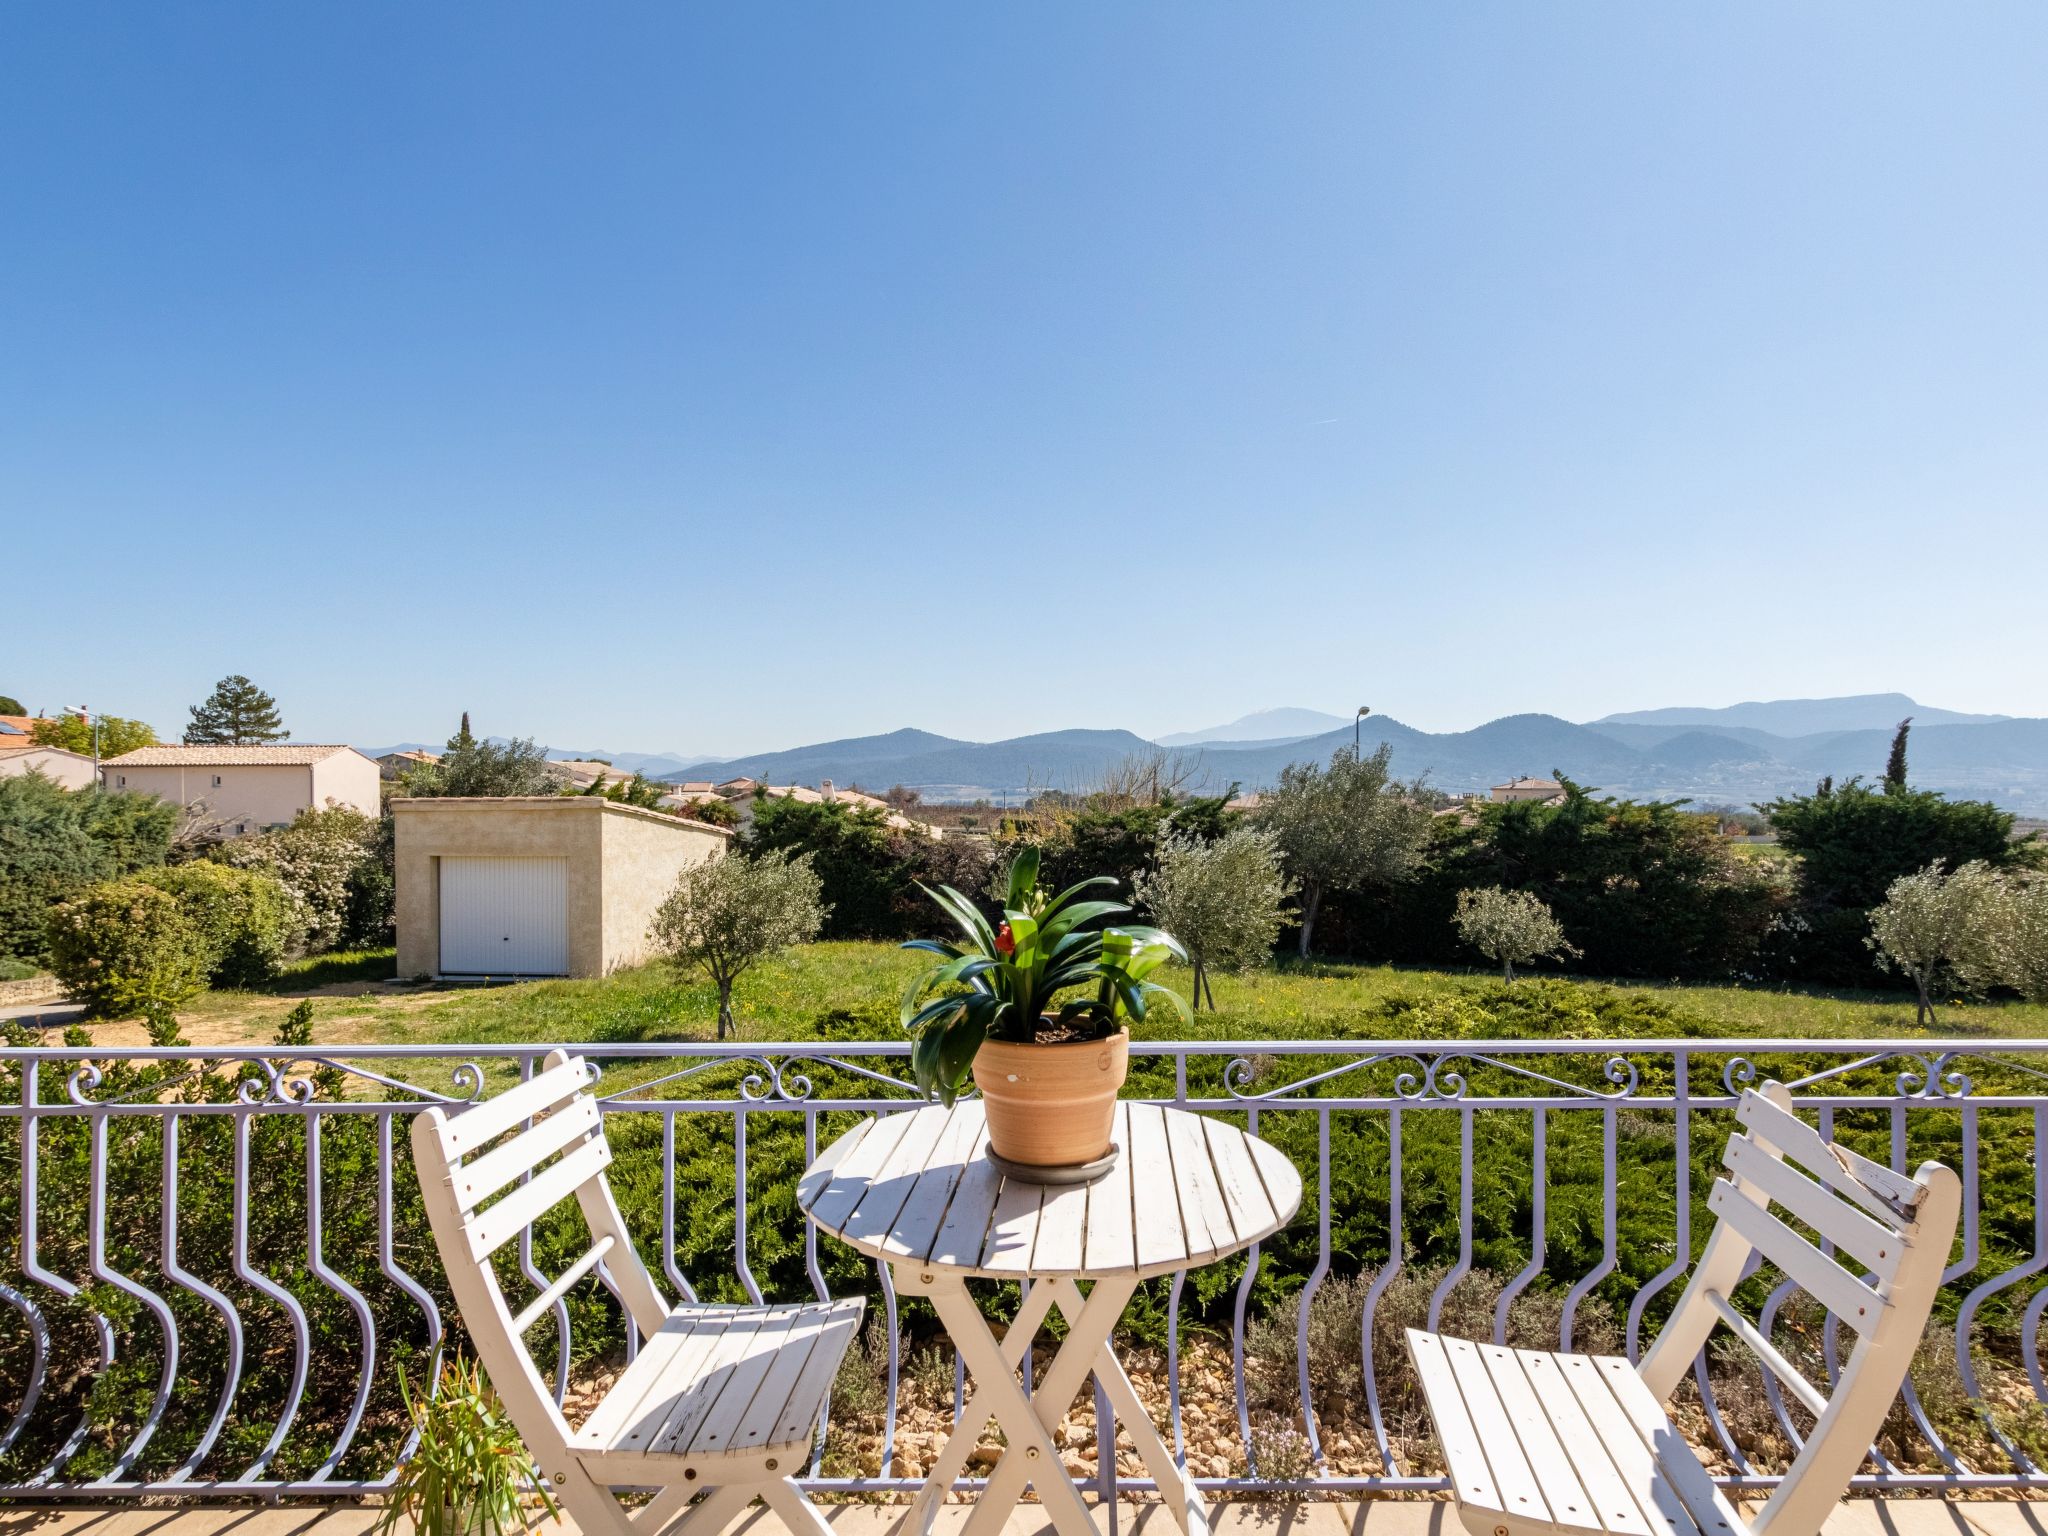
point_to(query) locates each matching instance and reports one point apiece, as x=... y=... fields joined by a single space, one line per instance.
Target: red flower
x=1005 y=945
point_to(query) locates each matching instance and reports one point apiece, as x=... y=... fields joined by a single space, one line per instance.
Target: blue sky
x=727 y=377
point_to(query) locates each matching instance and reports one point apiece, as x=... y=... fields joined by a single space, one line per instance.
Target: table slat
x=1161 y=1239
x=1111 y=1242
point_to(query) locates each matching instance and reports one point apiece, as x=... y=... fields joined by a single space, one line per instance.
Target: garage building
x=551 y=885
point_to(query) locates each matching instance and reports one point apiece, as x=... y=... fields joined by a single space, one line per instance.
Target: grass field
x=355 y=1002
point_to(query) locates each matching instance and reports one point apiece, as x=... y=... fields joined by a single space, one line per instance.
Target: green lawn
x=787 y=1000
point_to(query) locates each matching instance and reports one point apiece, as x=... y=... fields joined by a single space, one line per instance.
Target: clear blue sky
x=727 y=377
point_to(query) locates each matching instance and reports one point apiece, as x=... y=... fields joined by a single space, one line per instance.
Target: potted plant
x=468 y=1472
x=990 y=1008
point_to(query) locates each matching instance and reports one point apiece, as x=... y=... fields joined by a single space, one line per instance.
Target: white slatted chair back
x=563 y=1148
x=1898 y=1229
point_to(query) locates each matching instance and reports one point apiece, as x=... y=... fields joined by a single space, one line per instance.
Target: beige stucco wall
x=347 y=778
x=643 y=855
x=621 y=863
x=71 y=769
x=253 y=796
x=249 y=795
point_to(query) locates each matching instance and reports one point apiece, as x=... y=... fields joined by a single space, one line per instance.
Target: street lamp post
x=1356 y=726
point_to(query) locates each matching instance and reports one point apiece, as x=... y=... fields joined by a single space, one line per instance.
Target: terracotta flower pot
x=1051 y=1106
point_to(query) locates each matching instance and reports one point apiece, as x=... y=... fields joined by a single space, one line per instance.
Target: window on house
x=216 y=781
x=120 y=781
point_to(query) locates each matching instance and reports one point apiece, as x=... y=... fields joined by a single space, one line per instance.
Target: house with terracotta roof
x=396 y=765
x=248 y=789
x=1543 y=791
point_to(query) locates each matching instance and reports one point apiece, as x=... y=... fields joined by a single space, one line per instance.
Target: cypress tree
x=237 y=714
x=1895 y=764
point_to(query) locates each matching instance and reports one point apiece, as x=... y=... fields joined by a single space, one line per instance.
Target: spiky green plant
x=1002 y=981
x=470 y=1468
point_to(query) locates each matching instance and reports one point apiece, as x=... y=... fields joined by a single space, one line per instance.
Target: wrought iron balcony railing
x=222 y=1262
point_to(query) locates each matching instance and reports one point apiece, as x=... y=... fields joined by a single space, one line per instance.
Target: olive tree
x=1934 y=926
x=725 y=917
x=1342 y=826
x=1224 y=900
x=1510 y=928
x=2012 y=947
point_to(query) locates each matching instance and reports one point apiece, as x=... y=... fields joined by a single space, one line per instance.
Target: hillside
x=1807 y=717
x=2004 y=760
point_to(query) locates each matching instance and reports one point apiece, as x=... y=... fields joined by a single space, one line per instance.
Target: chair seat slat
x=1635 y=1457
x=1615 y=1504
x=1675 y=1459
x=1563 y=1490
x=1520 y=1493
x=1464 y=1452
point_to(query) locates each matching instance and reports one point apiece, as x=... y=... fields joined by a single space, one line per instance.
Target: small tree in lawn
x=1224 y=900
x=2012 y=946
x=1933 y=926
x=1344 y=826
x=1510 y=928
x=236 y=714
x=725 y=917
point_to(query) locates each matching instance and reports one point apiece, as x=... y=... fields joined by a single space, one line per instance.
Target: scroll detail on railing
x=222 y=1265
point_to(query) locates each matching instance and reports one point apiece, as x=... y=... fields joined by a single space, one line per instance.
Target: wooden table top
x=914 y=1188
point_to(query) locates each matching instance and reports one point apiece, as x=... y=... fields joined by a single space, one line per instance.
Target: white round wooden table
x=914 y=1190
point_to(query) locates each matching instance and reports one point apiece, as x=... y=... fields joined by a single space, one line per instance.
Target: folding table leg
x=1176 y=1489
x=1072 y=1367
x=952 y=1460
x=1028 y=1422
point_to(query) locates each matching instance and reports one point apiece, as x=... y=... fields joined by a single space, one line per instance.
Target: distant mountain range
x=1708 y=756
x=1268 y=725
x=1808 y=717
x=654 y=764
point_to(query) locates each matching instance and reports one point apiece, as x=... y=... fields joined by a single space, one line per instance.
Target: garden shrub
x=123 y=947
x=56 y=841
x=1854 y=840
x=335 y=866
x=244 y=917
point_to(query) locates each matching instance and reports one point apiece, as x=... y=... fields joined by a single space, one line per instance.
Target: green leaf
x=964 y=913
x=1072 y=891
x=1023 y=876
x=938 y=1008
x=1059 y=927
x=957 y=1048
x=1180 y=1003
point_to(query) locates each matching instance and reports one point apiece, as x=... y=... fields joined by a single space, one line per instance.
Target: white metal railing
x=221 y=1256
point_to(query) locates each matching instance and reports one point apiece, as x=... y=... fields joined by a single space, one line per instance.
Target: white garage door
x=505 y=917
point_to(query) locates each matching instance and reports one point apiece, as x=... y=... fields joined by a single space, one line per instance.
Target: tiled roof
x=285 y=755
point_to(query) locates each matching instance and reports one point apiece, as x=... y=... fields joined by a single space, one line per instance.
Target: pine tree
x=238 y=714
x=1895 y=765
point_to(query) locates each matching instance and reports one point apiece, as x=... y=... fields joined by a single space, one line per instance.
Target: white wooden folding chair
x=1540 y=1441
x=721 y=1402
